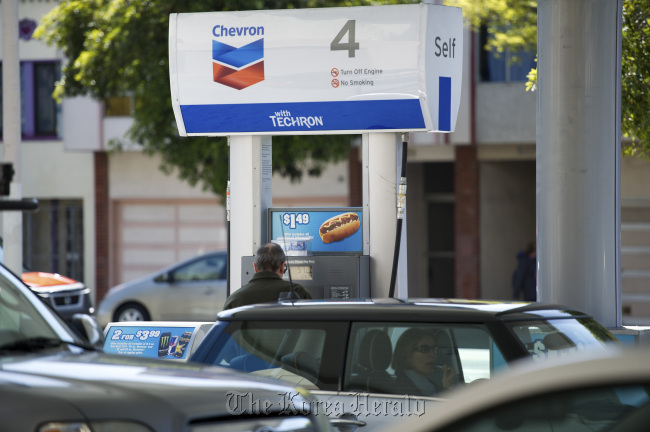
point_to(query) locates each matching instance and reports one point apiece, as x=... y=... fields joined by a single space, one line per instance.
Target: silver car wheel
x=131 y=312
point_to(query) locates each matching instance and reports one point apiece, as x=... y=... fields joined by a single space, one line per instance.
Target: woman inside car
x=419 y=363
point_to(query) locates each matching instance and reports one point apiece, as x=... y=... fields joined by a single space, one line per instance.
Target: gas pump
x=324 y=248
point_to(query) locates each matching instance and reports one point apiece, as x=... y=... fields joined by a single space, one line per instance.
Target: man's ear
x=255 y=267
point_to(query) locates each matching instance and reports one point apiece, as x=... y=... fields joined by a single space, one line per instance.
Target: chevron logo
x=238 y=67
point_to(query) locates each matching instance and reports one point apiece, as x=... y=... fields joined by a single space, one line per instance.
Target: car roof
x=528 y=378
x=411 y=310
x=173 y=266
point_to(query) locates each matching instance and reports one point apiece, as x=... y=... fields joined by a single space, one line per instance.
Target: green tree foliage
x=513 y=25
x=635 y=77
x=120 y=48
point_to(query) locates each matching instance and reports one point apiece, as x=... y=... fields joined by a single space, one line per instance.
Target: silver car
x=192 y=290
x=589 y=391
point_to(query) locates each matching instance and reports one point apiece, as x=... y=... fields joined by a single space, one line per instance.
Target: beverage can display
x=163 y=344
x=172 y=345
x=184 y=340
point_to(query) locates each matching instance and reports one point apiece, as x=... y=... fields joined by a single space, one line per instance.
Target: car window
x=373 y=360
x=308 y=354
x=23 y=319
x=624 y=408
x=210 y=268
x=552 y=338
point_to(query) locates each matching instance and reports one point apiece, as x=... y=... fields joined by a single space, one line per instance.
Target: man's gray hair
x=269 y=257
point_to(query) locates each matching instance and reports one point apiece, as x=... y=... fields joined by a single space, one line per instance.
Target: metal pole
x=250 y=197
x=381 y=184
x=12 y=232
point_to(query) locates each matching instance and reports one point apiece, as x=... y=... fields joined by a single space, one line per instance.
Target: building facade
x=108 y=217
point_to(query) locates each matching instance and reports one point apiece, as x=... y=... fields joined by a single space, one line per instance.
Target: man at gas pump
x=267 y=284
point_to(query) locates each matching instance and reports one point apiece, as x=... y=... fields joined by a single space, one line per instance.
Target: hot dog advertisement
x=319 y=230
x=339 y=227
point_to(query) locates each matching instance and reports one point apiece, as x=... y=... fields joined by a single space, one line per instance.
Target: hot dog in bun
x=339 y=227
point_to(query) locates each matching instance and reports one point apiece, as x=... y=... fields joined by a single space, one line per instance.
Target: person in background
x=267 y=284
x=418 y=368
x=524 y=279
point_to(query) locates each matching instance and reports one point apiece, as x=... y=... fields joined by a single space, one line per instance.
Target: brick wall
x=356 y=177
x=101 y=225
x=467 y=271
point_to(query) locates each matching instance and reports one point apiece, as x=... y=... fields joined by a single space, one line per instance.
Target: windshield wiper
x=41 y=343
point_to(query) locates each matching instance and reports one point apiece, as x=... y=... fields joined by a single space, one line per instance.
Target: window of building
x=53 y=238
x=503 y=67
x=40 y=113
x=439 y=192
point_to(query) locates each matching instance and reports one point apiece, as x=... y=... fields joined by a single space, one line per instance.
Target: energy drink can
x=163 y=344
x=172 y=345
x=179 y=352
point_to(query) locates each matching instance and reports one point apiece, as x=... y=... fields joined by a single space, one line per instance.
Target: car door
x=196 y=291
x=309 y=354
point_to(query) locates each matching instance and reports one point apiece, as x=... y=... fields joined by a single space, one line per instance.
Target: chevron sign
x=238 y=67
x=343 y=70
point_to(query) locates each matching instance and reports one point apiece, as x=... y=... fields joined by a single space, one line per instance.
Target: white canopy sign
x=315 y=71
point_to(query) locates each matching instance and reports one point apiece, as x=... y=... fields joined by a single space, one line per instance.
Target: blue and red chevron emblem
x=238 y=67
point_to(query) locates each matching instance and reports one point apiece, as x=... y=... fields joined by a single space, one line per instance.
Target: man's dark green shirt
x=264 y=287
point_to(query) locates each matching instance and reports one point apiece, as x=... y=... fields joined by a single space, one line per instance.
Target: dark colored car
x=341 y=349
x=51 y=379
x=64 y=294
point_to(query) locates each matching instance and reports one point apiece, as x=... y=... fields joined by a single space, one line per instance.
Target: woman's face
x=423 y=357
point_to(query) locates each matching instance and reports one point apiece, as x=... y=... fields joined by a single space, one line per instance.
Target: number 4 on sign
x=351 y=46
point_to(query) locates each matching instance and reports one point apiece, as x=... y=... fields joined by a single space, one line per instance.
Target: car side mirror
x=89 y=328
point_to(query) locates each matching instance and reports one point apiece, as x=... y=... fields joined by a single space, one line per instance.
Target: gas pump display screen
x=301 y=273
x=328 y=231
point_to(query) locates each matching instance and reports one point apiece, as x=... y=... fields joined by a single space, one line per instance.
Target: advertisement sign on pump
x=323 y=231
x=314 y=71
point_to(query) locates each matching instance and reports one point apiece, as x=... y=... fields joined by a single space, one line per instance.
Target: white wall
x=505 y=113
x=32 y=49
x=507 y=222
x=133 y=174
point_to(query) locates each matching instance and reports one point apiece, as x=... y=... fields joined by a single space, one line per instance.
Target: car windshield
x=374 y=353
x=25 y=321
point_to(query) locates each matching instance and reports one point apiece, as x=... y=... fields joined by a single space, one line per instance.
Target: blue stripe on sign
x=444 y=104
x=238 y=57
x=303 y=116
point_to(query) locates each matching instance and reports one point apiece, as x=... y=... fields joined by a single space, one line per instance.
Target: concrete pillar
x=578 y=155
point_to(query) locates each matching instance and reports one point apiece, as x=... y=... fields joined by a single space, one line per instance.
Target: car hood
x=163 y=393
x=50 y=282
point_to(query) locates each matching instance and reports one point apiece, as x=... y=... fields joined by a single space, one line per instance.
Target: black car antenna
x=292 y=295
